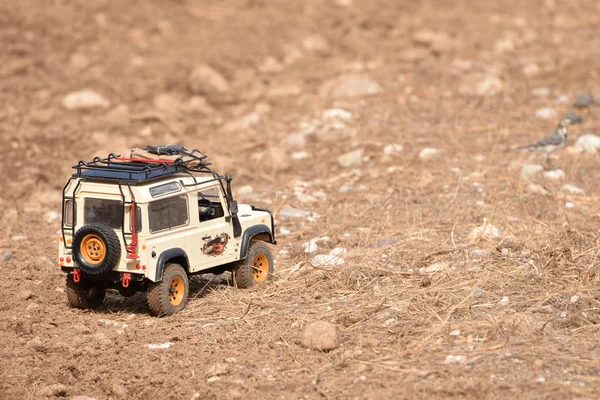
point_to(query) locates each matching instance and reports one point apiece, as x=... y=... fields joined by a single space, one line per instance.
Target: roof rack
x=175 y=159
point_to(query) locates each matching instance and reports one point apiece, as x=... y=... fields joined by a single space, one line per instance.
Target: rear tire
x=256 y=268
x=170 y=294
x=84 y=294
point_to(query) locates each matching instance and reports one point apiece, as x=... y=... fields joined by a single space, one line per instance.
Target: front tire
x=169 y=295
x=256 y=268
x=84 y=294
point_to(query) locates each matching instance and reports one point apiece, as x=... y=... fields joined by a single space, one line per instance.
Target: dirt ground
x=423 y=309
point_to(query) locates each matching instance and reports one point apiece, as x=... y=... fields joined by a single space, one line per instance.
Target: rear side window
x=68 y=213
x=168 y=213
x=109 y=212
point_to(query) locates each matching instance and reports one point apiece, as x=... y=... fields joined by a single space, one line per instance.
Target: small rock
x=546 y=113
x=8 y=255
x=568 y=204
x=36 y=343
x=293 y=213
x=32 y=307
x=546 y=309
x=504 y=252
x=51 y=217
x=120 y=391
x=574 y=299
x=479 y=253
x=18 y=238
x=554 y=174
x=310 y=247
x=439 y=42
x=118 y=117
x=450 y=359
x=320 y=335
x=44 y=263
x=489 y=86
x=563 y=314
x=584 y=100
x=429 y=153
x=351 y=159
x=84 y=100
x=217 y=369
x=504 y=300
x=102 y=339
x=541 y=92
x=455 y=332
x=338 y=252
x=55 y=390
x=534 y=188
x=485 y=231
x=573 y=117
x=326 y=260
x=297 y=140
x=350 y=85
x=316 y=44
x=160 y=346
x=24 y=295
x=435 y=267
x=337 y=114
x=205 y=80
x=391 y=149
x=588 y=144
x=246 y=189
x=477 y=293
x=572 y=189
x=529 y=172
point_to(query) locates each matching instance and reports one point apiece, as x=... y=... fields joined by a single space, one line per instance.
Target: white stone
x=572 y=189
x=588 y=144
x=350 y=85
x=536 y=189
x=489 y=86
x=455 y=332
x=541 y=92
x=546 y=113
x=555 y=174
x=296 y=140
x=429 y=153
x=51 y=217
x=337 y=114
x=394 y=148
x=451 y=359
x=574 y=299
x=310 y=247
x=351 y=159
x=84 y=99
x=327 y=260
x=338 y=251
x=166 y=345
x=299 y=155
x=293 y=213
x=568 y=204
x=486 y=230
x=530 y=171
x=504 y=300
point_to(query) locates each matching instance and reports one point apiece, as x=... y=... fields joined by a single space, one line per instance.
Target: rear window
x=168 y=213
x=108 y=212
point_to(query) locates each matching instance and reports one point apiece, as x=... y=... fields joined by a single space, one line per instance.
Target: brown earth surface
x=422 y=309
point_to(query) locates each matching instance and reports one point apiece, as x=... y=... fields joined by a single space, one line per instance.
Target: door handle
x=206 y=237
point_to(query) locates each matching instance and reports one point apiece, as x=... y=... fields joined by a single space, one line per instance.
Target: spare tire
x=96 y=249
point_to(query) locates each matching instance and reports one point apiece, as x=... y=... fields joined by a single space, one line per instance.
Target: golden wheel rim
x=176 y=291
x=260 y=268
x=93 y=249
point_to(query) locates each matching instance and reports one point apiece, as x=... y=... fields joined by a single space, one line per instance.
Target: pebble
x=18 y=238
x=554 y=174
x=479 y=253
x=477 y=293
x=55 y=390
x=572 y=189
x=391 y=149
x=451 y=359
x=84 y=99
x=429 y=153
x=321 y=336
x=205 y=80
x=32 y=307
x=24 y=295
x=568 y=204
x=350 y=85
x=504 y=252
x=573 y=117
x=161 y=346
x=310 y=247
x=504 y=300
x=82 y=398
x=534 y=188
x=44 y=263
x=316 y=44
x=300 y=155
x=297 y=140
x=326 y=260
x=8 y=255
x=546 y=309
x=120 y=391
x=530 y=171
x=51 y=217
x=541 y=92
x=439 y=42
x=486 y=230
x=574 y=299
x=584 y=100
x=351 y=159
x=337 y=114
x=338 y=251
x=293 y=213
x=546 y=113
x=588 y=144
x=489 y=86
x=435 y=267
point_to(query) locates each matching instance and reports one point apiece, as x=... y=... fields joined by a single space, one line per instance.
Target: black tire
x=256 y=268
x=84 y=294
x=170 y=294
x=96 y=249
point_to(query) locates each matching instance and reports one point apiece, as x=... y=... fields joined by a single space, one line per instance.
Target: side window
x=209 y=204
x=168 y=213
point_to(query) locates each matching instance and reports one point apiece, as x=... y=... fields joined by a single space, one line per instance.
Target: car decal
x=216 y=246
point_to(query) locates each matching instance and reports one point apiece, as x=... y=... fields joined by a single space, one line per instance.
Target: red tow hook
x=76 y=275
x=126 y=279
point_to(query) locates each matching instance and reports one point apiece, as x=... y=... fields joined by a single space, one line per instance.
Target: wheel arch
x=256 y=232
x=175 y=255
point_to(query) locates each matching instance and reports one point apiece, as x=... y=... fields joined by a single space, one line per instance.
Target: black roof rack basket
x=136 y=170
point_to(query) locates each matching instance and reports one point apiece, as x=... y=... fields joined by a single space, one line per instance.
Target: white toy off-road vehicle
x=148 y=219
